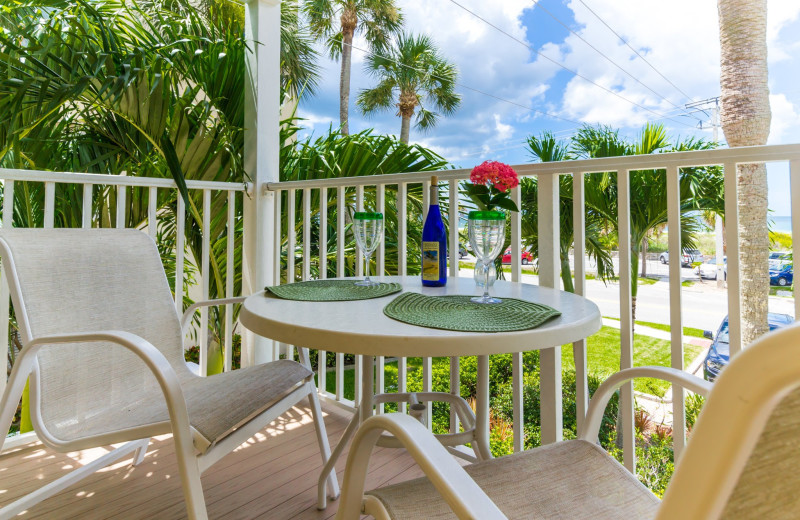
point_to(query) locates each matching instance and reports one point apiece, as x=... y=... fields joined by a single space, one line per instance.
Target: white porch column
x=261 y=153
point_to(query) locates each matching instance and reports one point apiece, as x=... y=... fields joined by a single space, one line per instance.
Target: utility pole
x=712 y=105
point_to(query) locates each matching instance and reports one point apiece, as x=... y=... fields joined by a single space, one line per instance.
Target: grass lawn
x=526 y=269
x=687 y=331
x=603 y=357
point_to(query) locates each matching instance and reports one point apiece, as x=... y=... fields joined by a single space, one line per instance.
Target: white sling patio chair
x=741 y=460
x=104 y=352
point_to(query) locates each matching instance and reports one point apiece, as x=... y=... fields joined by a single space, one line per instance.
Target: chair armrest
x=150 y=355
x=597 y=406
x=187 y=316
x=462 y=494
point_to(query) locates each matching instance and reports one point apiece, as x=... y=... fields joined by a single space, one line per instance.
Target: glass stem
x=485 y=281
x=366 y=268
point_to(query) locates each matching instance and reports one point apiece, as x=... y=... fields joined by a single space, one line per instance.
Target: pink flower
x=501 y=176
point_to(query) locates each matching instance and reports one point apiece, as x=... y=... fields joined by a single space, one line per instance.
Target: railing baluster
x=204 y=276
x=626 y=321
x=359 y=360
x=794 y=175
x=516 y=359
x=453 y=217
x=579 y=250
x=5 y=302
x=278 y=249
x=427 y=366
x=121 y=205
x=549 y=265
x=322 y=356
x=229 y=277
x=86 y=215
x=732 y=231
x=359 y=255
x=50 y=204
x=341 y=202
x=455 y=372
x=402 y=270
x=152 y=203
x=291 y=237
x=323 y=233
x=380 y=207
x=675 y=297
x=180 y=234
x=306 y=234
x=380 y=263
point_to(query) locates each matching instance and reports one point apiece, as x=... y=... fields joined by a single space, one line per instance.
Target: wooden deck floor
x=271 y=476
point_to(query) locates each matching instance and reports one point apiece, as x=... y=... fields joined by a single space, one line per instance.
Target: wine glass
x=368 y=229
x=487 y=233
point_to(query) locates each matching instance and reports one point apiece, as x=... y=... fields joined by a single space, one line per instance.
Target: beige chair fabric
x=72 y=282
x=569 y=480
x=768 y=486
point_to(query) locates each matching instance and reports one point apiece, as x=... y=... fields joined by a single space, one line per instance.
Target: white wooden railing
x=549 y=262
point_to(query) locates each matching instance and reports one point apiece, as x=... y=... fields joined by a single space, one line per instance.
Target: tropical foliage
x=413 y=76
x=700 y=190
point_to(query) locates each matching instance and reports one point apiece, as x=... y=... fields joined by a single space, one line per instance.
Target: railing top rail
x=695 y=158
x=116 y=180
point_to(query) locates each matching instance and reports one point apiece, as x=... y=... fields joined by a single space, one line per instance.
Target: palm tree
x=546 y=148
x=412 y=73
x=700 y=188
x=745 y=120
x=336 y=22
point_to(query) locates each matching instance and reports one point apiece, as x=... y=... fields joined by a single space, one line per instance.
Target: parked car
x=776 y=258
x=708 y=269
x=719 y=354
x=781 y=274
x=527 y=257
x=689 y=257
x=462 y=251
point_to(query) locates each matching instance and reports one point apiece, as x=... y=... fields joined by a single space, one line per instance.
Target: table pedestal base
x=475 y=425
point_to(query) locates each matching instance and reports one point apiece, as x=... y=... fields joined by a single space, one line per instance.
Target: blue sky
x=678 y=38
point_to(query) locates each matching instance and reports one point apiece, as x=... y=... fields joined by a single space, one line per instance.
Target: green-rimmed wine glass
x=487 y=233
x=368 y=229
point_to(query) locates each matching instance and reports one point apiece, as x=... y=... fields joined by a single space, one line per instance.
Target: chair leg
x=322 y=439
x=190 y=478
x=141 y=451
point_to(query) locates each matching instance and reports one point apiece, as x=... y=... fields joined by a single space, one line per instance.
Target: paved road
x=704 y=305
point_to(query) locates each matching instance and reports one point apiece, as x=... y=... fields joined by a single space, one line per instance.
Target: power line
x=473 y=89
x=575 y=73
x=687 y=96
x=537 y=3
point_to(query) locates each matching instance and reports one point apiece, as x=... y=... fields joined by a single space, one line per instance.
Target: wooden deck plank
x=272 y=476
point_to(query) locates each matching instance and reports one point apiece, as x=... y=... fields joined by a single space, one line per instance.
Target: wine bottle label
x=430 y=261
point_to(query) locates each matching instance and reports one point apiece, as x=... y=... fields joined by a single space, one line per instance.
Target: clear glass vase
x=487 y=233
x=479 y=274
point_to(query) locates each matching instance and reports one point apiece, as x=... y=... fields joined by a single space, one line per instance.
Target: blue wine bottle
x=434 y=243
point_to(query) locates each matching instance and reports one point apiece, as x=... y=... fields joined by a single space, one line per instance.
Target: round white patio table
x=360 y=327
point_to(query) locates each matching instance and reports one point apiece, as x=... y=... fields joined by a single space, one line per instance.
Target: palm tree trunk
x=644 y=258
x=566 y=274
x=745 y=121
x=405 y=128
x=344 y=81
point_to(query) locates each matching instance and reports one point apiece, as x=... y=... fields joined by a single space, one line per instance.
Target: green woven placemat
x=458 y=313
x=332 y=291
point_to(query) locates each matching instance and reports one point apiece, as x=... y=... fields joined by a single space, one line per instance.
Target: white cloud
x=785 y=120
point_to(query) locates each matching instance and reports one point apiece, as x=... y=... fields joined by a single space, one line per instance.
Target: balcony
x=263 y=478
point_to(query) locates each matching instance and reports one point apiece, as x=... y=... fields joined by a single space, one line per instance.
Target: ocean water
x=781 y=223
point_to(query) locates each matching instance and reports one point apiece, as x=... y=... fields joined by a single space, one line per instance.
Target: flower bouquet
x=491 y=184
